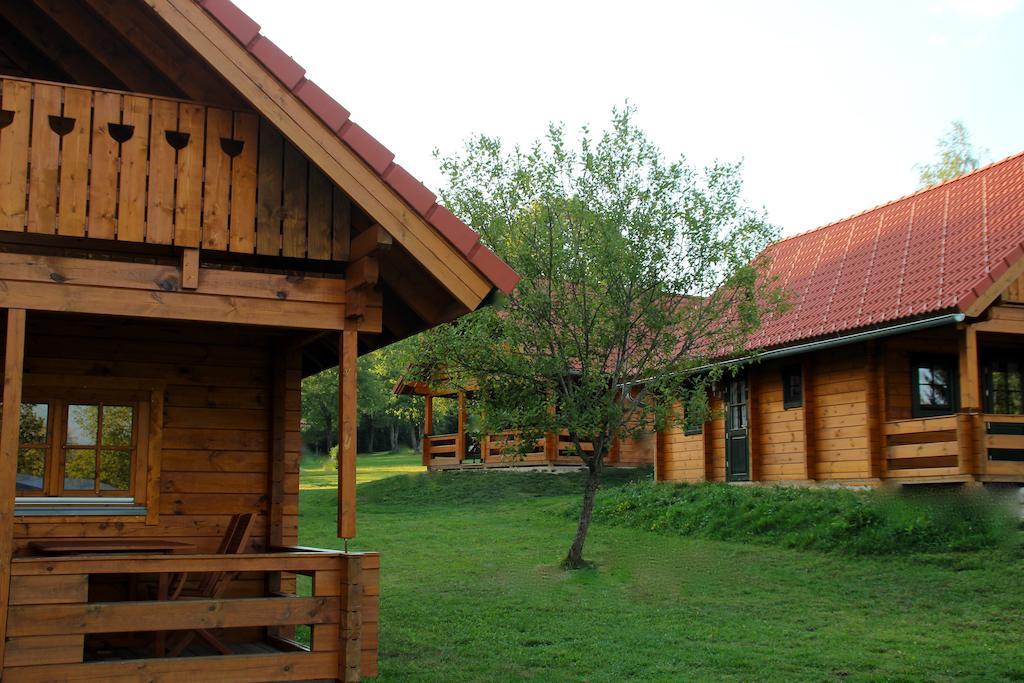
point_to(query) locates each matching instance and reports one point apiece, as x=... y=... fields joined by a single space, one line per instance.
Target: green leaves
x=636 y=271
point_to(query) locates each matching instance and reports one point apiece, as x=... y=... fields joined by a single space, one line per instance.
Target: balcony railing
x=86 y=162
x=923 y=447
x=61 y=604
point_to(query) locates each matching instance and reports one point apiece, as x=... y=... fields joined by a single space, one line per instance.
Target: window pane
x=940 y=376
x=924 y=394
x=940 y=395
x=115 y=470
x=83 y=422
x=31 y=466
x=924 y=375
x=80 y=470
x=117 y=425
x=32 y=424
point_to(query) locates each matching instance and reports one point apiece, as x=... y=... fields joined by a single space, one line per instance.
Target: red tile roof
x=377 y=156
x=934 y=251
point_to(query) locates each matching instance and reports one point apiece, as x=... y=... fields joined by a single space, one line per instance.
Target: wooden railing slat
x=74 y=163
x=243 y=185
x=125 y=617
x=188 y=200
x=162 y=166
x=106 y=109
x=45 y=146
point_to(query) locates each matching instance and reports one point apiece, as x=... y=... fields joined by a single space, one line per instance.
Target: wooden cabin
x=462 y=449
x=188 y=227
x=901 y=359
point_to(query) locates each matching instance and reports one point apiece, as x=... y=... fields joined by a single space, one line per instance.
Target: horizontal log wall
x=777 y=441
x=216 y=427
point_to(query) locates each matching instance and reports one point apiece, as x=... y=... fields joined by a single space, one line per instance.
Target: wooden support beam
x=373 y=240
x=167 y=54
x=93 y=35
x=362 y=273
x=428 y=427
x=970 y=377
x=58 y=46
x=810 y=430
x=350 y=647
x=190 y=269
x=347 y=397
x=144 y=290
x=14 y=365
x=877 y=455
x=460 y=447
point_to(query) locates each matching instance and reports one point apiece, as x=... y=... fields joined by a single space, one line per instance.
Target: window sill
x=71 y=507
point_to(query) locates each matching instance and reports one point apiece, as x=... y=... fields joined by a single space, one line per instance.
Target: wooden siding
x=216 y=425
x=160 y=171
x=778 y=434
x=840 y=400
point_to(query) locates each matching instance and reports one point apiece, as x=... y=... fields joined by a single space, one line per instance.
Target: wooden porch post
x=350 y=647
x=969 y=427
x=347 y=368
x=460 y=442
x=14 y=365
x=428 y=426
x=810 y=433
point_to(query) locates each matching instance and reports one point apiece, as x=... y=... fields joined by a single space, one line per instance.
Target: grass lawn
x=321 y=473
x=471 y=592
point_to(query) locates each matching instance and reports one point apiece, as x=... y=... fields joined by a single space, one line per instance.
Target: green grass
x=320 y=472
x=471 y=592
x=856 y=522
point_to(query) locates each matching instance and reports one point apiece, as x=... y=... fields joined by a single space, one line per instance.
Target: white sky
x=830 y=104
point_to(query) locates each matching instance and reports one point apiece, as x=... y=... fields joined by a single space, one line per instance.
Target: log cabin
x=900 y=360
x=188 y=227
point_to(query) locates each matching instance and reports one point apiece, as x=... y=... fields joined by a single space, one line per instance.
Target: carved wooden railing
x=86 y=162
x=51 y=615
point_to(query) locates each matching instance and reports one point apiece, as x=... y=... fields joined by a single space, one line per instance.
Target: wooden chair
x=212 y=586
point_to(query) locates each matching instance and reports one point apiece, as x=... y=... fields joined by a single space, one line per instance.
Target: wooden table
x=116 y=546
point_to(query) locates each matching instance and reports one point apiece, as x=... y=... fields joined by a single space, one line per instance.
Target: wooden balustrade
x=51 y=615
x=1003 y=439
x=923 y=447
x=86 y=162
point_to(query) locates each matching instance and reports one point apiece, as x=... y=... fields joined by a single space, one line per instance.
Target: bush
x=857 y=522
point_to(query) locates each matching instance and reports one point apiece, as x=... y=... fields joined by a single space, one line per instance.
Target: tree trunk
x=369 y=439
x=414 y=436
x=574 y=560
x=393 y=433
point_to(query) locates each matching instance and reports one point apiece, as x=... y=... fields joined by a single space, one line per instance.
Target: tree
x=636 y=273
x=955 y=155
x=320 y=410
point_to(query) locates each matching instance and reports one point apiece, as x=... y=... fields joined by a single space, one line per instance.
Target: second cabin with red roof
x=899 y=360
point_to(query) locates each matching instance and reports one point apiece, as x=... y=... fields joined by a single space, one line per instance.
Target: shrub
x=858 y=522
